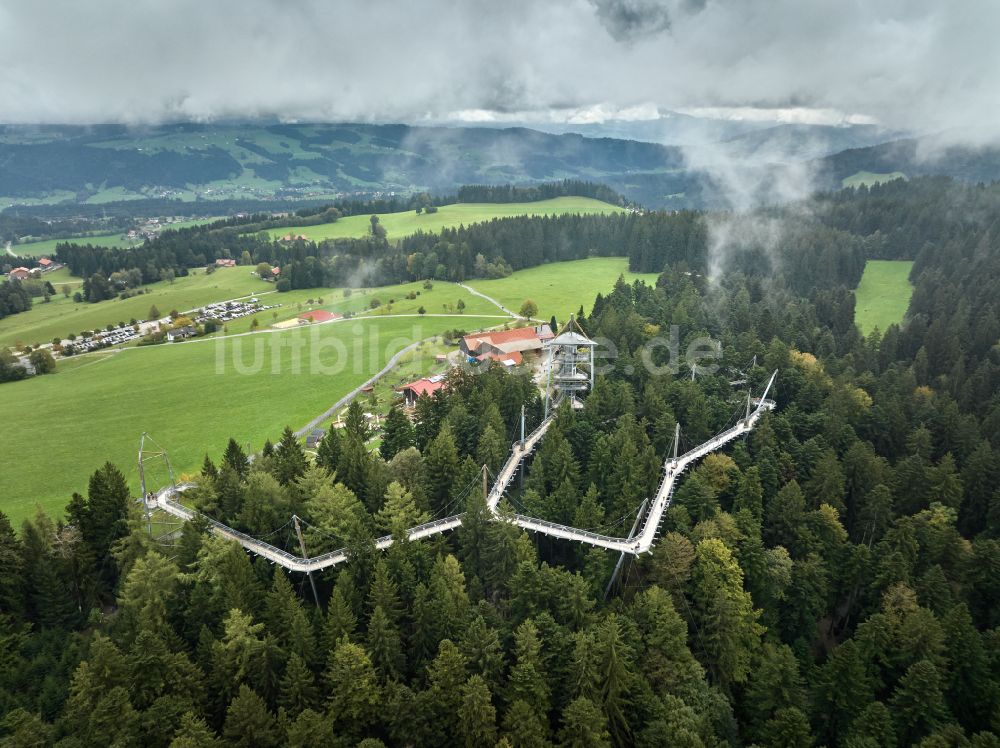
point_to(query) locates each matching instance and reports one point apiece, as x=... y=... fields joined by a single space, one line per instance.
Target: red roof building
x=19 y=274
x=426 y=386
x=44 y=262
x=520 y=339
x=319 y=315
x=507 y=359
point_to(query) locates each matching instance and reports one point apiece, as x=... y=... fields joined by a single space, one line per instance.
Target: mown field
x=47 y=247
x=62 y=315
x=398 y=225
x=63 y=277
x=190 y=397
x=869 y=178
x=193 y=396
x=441 y=298
x=560 y=288
x=883 y=295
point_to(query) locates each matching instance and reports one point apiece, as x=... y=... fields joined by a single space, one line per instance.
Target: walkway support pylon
x=640 y=540
x=302 y=545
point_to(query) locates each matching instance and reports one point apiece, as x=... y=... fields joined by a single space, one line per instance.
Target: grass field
x=62 y=277
x=48 y=246
x=398 y=225
x=560 y=288
x=190 y=397
x=441 y=299
x=868 y=178
x=883 y=295
x=62 y=316
x=193 y=396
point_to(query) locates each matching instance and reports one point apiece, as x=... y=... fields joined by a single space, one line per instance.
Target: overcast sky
x=910 y=64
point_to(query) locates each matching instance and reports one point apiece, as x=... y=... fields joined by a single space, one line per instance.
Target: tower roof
x=572 y=338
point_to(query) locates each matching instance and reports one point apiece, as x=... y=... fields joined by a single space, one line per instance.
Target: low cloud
x=916 y=65
x=627 y=20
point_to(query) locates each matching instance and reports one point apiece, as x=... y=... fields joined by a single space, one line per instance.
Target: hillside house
x=180 y=333
x=224 y=262
x=502 y=344
x=19 y=274
x=314 y=437
x=507 y=359
x=426 y=386
x=544 y=333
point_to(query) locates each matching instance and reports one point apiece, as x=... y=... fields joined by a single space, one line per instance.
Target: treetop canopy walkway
x=638 y=542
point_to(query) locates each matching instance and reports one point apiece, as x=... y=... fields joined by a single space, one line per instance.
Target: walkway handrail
x=639 y=542
x=517 y=453
x=283 y=557
x=586 y=536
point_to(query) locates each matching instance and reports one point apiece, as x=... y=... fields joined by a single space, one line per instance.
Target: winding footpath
x=493 y=301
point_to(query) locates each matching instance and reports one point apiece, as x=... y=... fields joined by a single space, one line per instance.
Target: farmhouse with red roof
x=507 y=359
x=502 y=344
x=426 y=386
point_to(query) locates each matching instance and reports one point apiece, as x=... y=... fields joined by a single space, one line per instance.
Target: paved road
x=346 y=399
x=331 y=411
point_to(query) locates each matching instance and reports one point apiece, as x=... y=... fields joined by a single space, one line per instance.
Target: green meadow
x=62 y=316
x=62 y=277
x=883 y=295
x=441 y=298
x=398 y=225
x=47 y=247
x=560 y=288
x=869 y=178
x=191 y=397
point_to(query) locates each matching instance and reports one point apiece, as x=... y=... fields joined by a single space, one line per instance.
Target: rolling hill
x=913 y=157
x=190 y=162
x=103 y=167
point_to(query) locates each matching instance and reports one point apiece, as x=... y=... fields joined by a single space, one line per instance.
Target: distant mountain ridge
x=190 y=161
x=319 y=162
x=795 y=142
x=914 y=157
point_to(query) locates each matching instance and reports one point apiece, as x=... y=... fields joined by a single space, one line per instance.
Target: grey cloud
x=626 y=20
x=918 y=65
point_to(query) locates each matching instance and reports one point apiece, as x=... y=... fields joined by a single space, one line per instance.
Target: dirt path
x=490 y=299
